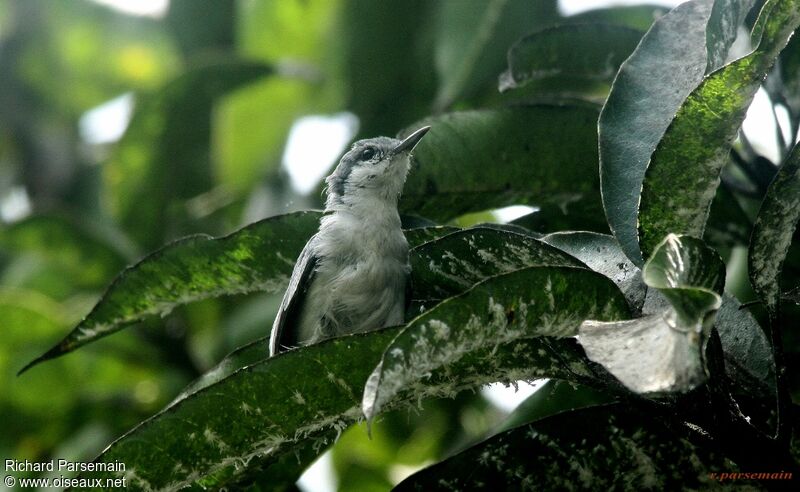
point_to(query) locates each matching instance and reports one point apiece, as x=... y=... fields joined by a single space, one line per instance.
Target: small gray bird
x=352 y=275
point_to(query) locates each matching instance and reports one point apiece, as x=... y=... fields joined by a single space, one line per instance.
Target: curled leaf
x=664 y=351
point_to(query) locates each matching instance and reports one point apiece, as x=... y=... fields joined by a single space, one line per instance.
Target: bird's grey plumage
x=353 y=274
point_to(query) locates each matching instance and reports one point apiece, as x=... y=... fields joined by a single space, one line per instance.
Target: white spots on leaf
x=434 y=344
x=341 y=383
x=284 y=259
x=161 y=305
x=132 y=478
x=214 y=439
x=441 y=331
x=436 y=269
x=462 y=266
x=548 y=291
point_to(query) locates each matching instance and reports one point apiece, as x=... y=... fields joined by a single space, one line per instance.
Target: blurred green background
x=120 y=132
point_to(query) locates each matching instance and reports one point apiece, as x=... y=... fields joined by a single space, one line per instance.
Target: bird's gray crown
x=363 y=153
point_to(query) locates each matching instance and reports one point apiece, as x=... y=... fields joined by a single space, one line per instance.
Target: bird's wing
x=291 y=305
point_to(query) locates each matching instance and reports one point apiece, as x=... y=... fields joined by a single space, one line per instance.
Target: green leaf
x=527 y=303
x=649 y=88
x=773 y=231
x=277 y=471
x=789 y=71
x=258 y=412
x=478 y=160
x=421 y=235
x=577 y=216
x=639 y=17
x=471 y=42
x=749 y=363
x=90 y=255
x=454 y=263
x=164 y=154
x=552 y=398
x=795 y=446
x=702 y=133
x=748 y=353
x=252 y=419
x=574 y=51
x=602 y=253
x=257 y=257
x=663 y=351
x=723 y=25
x=612 y=447
x=728 y=225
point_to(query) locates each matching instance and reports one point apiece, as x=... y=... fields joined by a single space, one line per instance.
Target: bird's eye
x=367 y=154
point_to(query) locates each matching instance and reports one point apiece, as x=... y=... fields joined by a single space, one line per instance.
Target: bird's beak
x=411 y=141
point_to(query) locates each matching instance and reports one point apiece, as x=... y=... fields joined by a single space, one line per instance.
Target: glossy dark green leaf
x=663 y=351
x=479 y=160
x=651 y=85
x=163 y=157
x=89 y=254
x=578 y=216
x=279 y=471
x=552 y=398
x=748 y=353
x=259 y=257
x=454 y=263
x=773 y=231
x=251 y=418
x=639 y=17
x=728 y=224
x=795 y=447
x=727 y=16
x=602 y=253
x=702 y=133
x=422 y=235
x=789 y=71
x=571 y=51
x=613 y=447
x=527 y=303
x=749 y=363
x=257 y=413
x=471 y=42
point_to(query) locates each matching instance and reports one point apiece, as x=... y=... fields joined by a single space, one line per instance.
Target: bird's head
x=373 y=169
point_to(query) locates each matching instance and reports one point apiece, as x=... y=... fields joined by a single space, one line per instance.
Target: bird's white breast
x=359 y=283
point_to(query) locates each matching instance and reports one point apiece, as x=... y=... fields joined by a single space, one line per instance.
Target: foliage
x=655 y=282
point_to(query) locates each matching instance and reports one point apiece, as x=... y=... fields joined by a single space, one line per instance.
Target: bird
x=352 y=276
